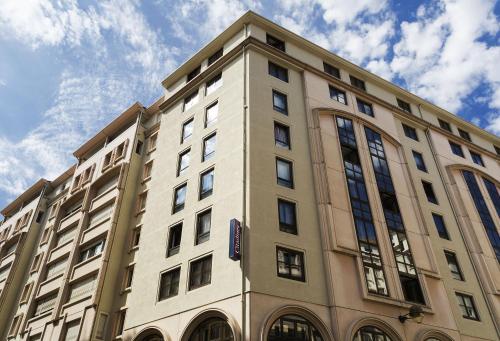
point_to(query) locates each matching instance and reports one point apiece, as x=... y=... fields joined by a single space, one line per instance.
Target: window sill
x=133 y=248
x=146 y=180
x=126 y=291
x=138 y=213
x=151 y=150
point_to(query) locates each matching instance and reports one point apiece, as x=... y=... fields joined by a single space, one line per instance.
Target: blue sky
x=68 y=67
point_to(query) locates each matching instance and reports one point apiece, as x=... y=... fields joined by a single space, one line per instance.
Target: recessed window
x=444 y=125
x=91 y=251
x=476 y=158
x=464 y=134
x=404 y=105
x=419 y=161
x=169 y=284
x=410 y=132
x=194 y=73
x=213 y=84
x=14 y=327
x=338 y=95
x=281 y=135
x=364 y=107
x=26 y=293
x=211 y=114
x=191 y=100
x=203 y=224
x=187 y=130
x=174 y=240
x=36 y=262
x=179 y=198
x=209 y=147
x=331 y=70
x=284 y=172
x=183 y=162
x=497 y=150
x=152 y=142
x=440 y=226
x=56 y=268
x=290 y=264
x=141 y=202
x=275 y=42
x=429 y=192
x=214 y=57
x=278 y=71
x=129 y=276
x=287 y=216
x=206 y=183
x=136 y=237
x=466 y=304
x=148 y=168
x=280 y=102
x=39 y=217
x=138 y=147
x=200 y=272
x=456 y=149
x=493 y=192
x=358 y=83
x=120 y=322
x=456 y=273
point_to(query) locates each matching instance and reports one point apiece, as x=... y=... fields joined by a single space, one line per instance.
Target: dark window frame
x=403 y=105
x=440 y=225
x=174 y=236
x=195 y=72
x=331 y=70
x=280 y=143
x=462 y=302
x=289 y=183
x=419 y=161
x=302 y=267
x=365 y=107
x=444 y=125
x=357 y=83
x=174 y=275
x=337 y=94
x=215 y=56
x=430 y=194
x=204 y=194
x=275 y=42
x=464 y=134
x=278 y=71
x=283 y=225
x=285 y=100
x=205 y=236
x=179 y=207
x=184 y=125
x=179 y=159
x=452 y=260
x=410 y=132
x=456 y=149
x=204 y=155
x=205 y=266
x=476 y=158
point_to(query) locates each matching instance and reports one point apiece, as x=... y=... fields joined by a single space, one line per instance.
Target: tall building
x=275 y=192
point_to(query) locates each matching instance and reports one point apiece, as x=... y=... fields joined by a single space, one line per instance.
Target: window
x=331 y=70
x=66 y=236
x=136 y=237
x=120 y=152
x=410 y=132
x=141 y=202
x=206 y=183
x=211 y=114
x=138 y=147
x=169 y=284
x=281 y=135
x=26 y=293
x=194 y=73
x=293 y=327
x=190 y=100
x=280 y=102
x=101 y=326
x=419 y=161
x=108 y=160
x=91 y=251
x=152 y=142
x=493 y=192
x=146 y=172
x=284 y=172
x=440 y=226
x=456 y=273
x=187 y=130
x=275 y=42
x=56 y=268
x=212 y=329
x=128 y=277
x=174 y=240
x=364 y=107
x=45 y=305
x=497 y=149
x=338 y=95
x=444 y=125
x=14 y=327
x=179 y=198
x=456 y=149
x=429 y=192
x=404 y=105
x=214 y=57
x=183 y=162
x=203 y=224
x=466 y=304
x=45 y=236
x=39 y=217
x=464 y=134
x=287 y=216
x=83 y=288
x=476 y=158
x=200 y=272
x=120 y=322
x=290 y=264
x=100 y=215
x=278 y=71
x=371 y=333
x=209 y=147
x=213 y=84
x=36 y=262
x=358 y=83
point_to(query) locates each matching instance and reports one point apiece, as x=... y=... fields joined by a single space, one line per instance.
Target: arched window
x=293 y=328
x=152 y=337
x=371 y=333
x=212 y=329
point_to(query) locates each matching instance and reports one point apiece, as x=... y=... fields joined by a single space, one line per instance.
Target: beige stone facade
x=357 y=201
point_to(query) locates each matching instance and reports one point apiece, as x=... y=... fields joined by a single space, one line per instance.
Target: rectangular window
x=476 y=158
x=72 y=330
x=203 y=224
x=209 y=147
x=456 y=149
x=440 y=226
x=194 y=73
x=493 y=192
x=281 y=135
x=129 y=277
x=444 y=125
x=39 y=217
x=146 y=172
x=98 y=216
x=91 y=251
x=429 y=192
x=331 y=70
x=152 y=142
x=14 y=327
x=213 y=84
x=174 y=240
x=183 y=161
x=120 y=322
x=200 y=272
x=169 y=284
x=464 y=134
x=45 y=236
x=364 y=107
x=215 y=57
x=206 y=183
x=497 y=150
x=404 y=105
x=466 y=304
x=26 y=293
x=338 y=95
x=290 y=264
x=45 y=305
x=287 y=216
x=191 y=100
x=275 y=42
x=419 y=161
x=82 y=288
x=136 y=237
x=278 y=71
x=284 y=172
x=138 y=147
x=36 y=262
x=187 y=130
x=280 y=102
x=410 y=132
x=179 y=198
x=456 y=273
x=55 y=269
x=141 y=202
x=211 y=114
x=120 y=152
x=358 y=83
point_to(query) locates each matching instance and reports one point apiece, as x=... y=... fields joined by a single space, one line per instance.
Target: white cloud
x=493 y=124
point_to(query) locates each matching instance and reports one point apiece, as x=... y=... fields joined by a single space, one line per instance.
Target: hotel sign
x=235 y=239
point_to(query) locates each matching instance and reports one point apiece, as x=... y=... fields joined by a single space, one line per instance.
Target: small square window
x=287 y=216
x=284 y=173
x=194 y=73
x=211 y=114
x=191 y=100
x=456 y=149
x=200 y=272
x=440 y=226
x=290 y=264
x=466 y=304
x=281 y=135
x=444 y=125
x=464 y=134
x=429 y=192
x=183 y=162
x=364 y=107
x=203 y=225
x=174 y=240
x=331 y=70
x=209 y=147
x=456 y=273
x=187 y=130
x=206 y=183
x=215 y=57
x=179 y=198
x=278 y=71
x=213 y=84
x=419 y=161
x=338 y=95
x=280 y=102
x=404 y=105
x=169 y=284
x=358 y=83
x=410 y=132
x=275 y=42
x=476 y=158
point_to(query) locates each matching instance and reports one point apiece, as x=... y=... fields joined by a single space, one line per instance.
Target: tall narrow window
x=194 y=73
x=338 y=95
x=211 y=114
x=358 y=83
x=363 y=220
x=174 y=240
x=466 y=304
x=215 y=57
x=183 y=162
x=275 y=42
x=404 y=105
x=213 y=84
x=290 y=264
x=278 y=71
x=419 y=161
x=331 y=70
x=364 y=107
x=440 y=226
x=393 y=219
x=200 y=272
x=281 y=135
x=284 y=172
x=476 y=158
x=287 y=216
x=410 y=132
x=169 y=284
x=187 y=130
x=456 y=273
x=203 y=225
x=444 y=125
x=209 y=147
x=179 y=198
x=464 y=134
x=456 y=149
x=280 y=102
x=206 y=183
x=146 y=171
x=129 y=276
x=429 y=192
x=493 y=192
x=120 y=322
